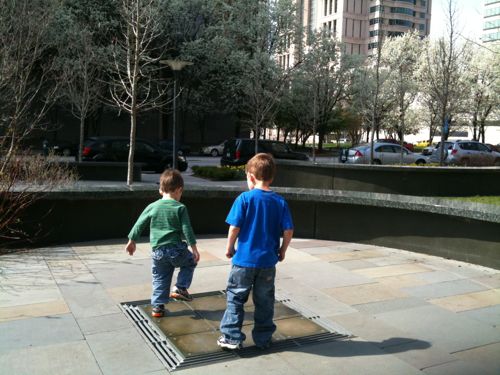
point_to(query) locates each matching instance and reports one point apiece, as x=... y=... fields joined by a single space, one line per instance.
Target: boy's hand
x=196 y=255
x=229 y=253
x=281 y=254
x=130 y=248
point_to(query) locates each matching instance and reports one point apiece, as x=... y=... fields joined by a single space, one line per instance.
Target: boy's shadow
x=344 y=348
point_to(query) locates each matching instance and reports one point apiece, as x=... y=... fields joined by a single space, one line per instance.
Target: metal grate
x=173 y=358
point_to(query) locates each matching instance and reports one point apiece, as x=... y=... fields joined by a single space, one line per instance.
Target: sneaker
x=228 y=344
x=180 y=294
x=158 y=311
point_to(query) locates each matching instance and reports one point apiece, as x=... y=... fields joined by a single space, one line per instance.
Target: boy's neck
x=262 y=185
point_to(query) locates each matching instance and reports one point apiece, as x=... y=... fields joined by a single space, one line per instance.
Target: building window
x=421 y=27
x=401 y=23
x=326 y=7
x=394 y=34
x=372 y=45
x=335 y=6
x=491 y=24
x=377 y=8
x=330 y=7
x=492 y=12
x=491 y=37
x=373 y=33
x=374 y=21
x=423 y=3
x=401 y=10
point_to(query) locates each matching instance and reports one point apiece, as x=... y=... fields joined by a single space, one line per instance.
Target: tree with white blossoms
x=442 y=73
x=484 y=82
x=401 y=55
x=327 y=75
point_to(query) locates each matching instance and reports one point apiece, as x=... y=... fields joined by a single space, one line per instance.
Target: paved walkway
x=408 y=313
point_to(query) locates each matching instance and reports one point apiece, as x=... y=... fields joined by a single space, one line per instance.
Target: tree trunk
x=131 y=150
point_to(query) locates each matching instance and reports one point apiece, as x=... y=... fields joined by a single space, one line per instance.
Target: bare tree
x=27 y=87
x=135 y=85
x=81 y=84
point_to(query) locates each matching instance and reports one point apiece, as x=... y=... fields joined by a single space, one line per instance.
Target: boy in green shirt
x=168 y=220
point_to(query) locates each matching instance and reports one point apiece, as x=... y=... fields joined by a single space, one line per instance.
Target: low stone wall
x=420 y=181
x=104 y=171
x=457 y=230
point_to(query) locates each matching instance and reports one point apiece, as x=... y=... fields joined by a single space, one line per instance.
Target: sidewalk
x=407 y=313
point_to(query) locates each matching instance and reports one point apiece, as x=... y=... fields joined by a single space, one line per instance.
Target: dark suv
x=116 y=149
x=238 y=151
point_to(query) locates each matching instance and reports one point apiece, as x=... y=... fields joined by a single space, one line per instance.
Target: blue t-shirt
x=262 y=216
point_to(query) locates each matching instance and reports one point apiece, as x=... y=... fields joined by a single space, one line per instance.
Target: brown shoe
x=158 y=311
x=181 y=295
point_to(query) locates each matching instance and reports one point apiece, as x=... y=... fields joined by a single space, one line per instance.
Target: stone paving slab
x=444 y=289
x=68 y=358
x=451 y=331
x=409 y=313
x=123 y=352
x=26 y=333
x=470 y=301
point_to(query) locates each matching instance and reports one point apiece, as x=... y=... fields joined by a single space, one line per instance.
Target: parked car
x=407 y=145
x=64 y=148
x=383 y=153
x=468 y=153
x=168 y=145
x=434 y=151
x=213 y=150
x=493 y=147
x=238 y=151
x=117 y=148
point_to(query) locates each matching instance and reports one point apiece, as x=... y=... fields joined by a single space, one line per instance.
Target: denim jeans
x=164 y=261
x=240 y=283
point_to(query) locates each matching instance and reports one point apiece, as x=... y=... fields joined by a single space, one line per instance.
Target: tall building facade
x=360 y=24
x=491 y=24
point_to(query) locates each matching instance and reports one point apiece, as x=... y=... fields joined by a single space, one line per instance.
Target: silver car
x=383 y=153
x=435 y=152
x=471 y=153
x=213 y=150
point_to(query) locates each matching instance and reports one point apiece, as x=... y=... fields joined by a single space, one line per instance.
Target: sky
x=469 y=18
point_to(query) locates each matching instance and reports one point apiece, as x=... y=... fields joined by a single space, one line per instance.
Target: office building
x=491 y=24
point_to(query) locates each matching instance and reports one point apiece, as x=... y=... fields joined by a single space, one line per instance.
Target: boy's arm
x=287 y=237
x=136 y=231
x=232 y=235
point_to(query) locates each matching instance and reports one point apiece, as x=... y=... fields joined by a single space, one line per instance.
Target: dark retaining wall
x=420 y=181
x=457 y=230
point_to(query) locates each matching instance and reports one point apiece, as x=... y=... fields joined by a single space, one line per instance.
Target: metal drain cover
x=187 y=335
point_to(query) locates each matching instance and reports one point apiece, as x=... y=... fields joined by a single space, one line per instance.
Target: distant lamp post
x=176 y=66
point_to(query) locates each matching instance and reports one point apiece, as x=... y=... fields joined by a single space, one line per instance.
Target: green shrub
x=219 y=173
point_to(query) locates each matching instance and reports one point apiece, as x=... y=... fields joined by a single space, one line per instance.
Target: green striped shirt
x=168 y=220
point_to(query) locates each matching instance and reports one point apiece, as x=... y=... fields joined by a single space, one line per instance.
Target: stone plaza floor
x=404 y=312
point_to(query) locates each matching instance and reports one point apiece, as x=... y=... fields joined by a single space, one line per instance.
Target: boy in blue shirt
x=258 y=218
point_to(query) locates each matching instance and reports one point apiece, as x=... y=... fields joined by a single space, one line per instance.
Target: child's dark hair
x=171 y=180
x=262 y=166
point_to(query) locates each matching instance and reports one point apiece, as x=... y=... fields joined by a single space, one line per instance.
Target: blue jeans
x=164 y=261
x=240 y=283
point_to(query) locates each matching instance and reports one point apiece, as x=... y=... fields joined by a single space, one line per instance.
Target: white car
x=214 y=150
x=383 y=153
